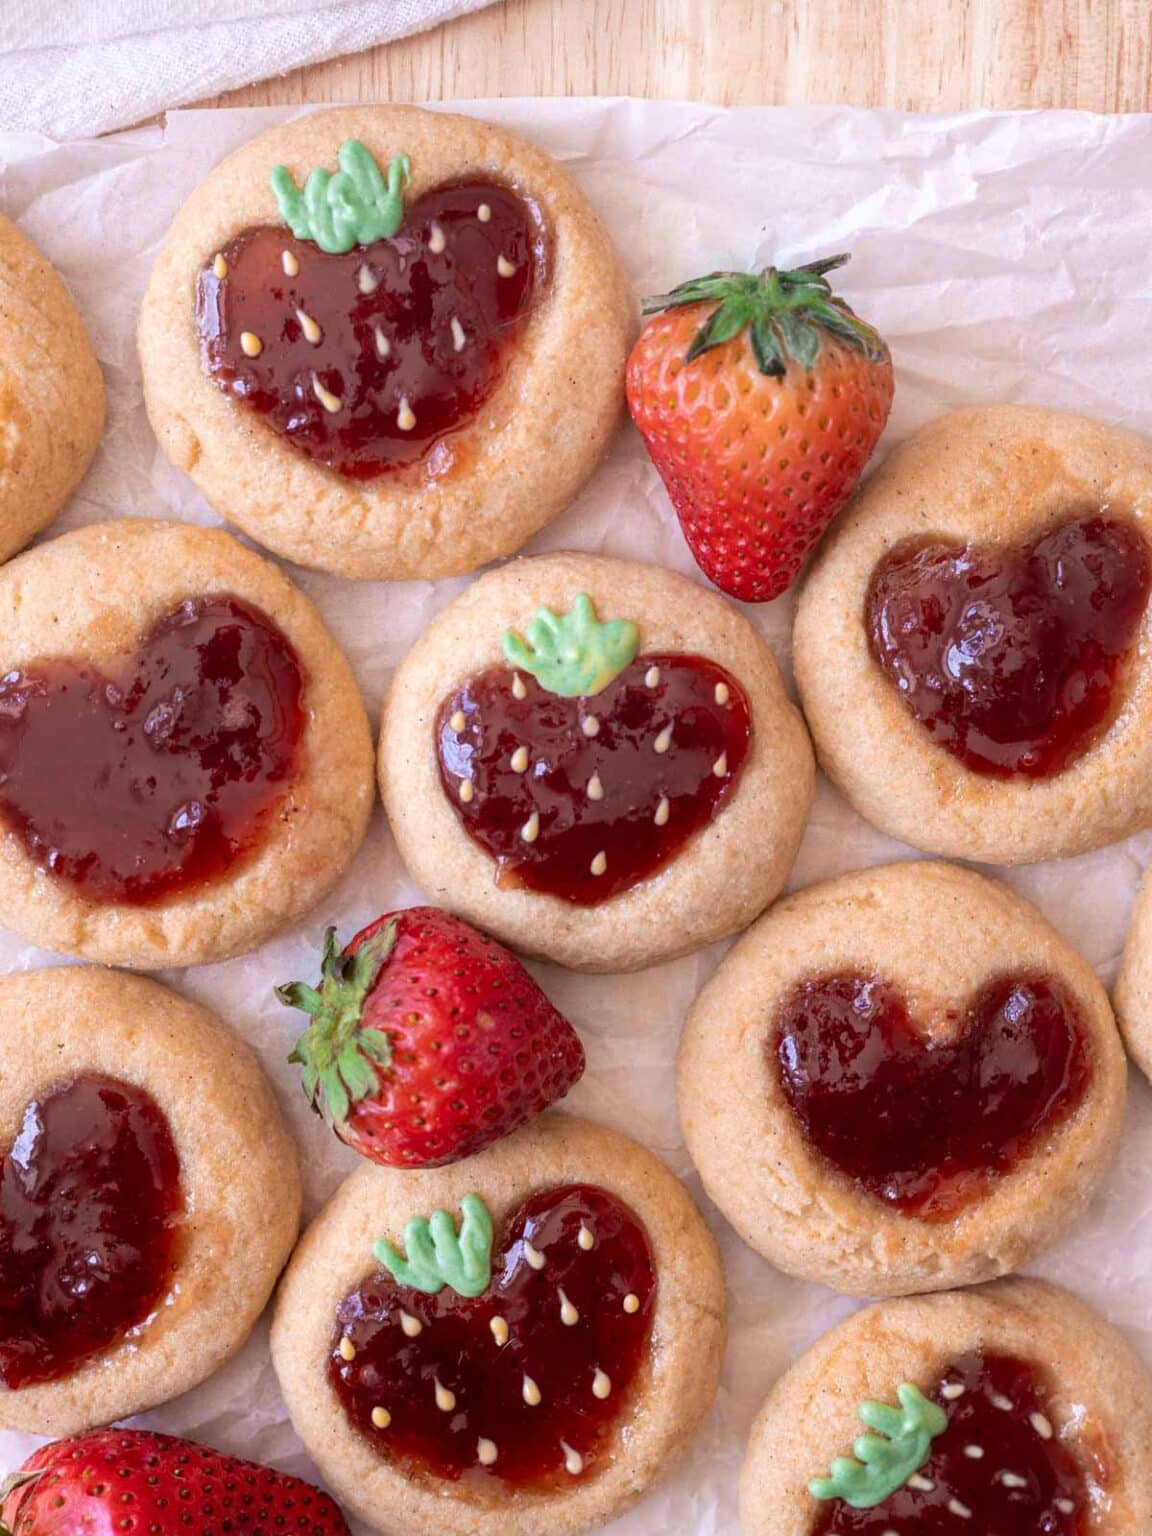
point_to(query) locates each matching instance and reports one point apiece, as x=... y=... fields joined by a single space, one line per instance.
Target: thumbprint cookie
x=387 y=342
x=902 y=1080
x=596 y=761
x=972 y=643
x=185 y=761
x=149 y=1196
x=1008 y=1410
x=51 y=392
x=522 y=1341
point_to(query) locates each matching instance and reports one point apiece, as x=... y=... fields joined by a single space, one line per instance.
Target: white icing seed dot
x=366 y=279
x=383 y=345
x=486 y=1452
x=595 y=788
x=998 y=1400
x=961 y=1511
x=585 y=1239
x=505 y=268
x=520 y=760
x=663 y=811
x=458 y=721
x=652 y=677
x=529 y=832
x=499 y=1331
x=436 y=240
x=290 y=264
x=952 y=1391
x=312 y=331
x=531 y=1393
x=1013 y=1480
x=251 y=344
x=721 y=693
x=974 y=1452
x=381 y=1418
x=534 y=1256
x=405 y=416
x=519 y=691
x=412 y=1326
x=600 y=863
x=1065 y=1506
x=631 y=1303
x=720 y=766
x=590 y=725
x=219 y=267
x=347 y=1349
x=327 y=399
x=573 y=1461
x=445 y=1400
x=483 y=213
x=664 y=740
x=921 y=1484
x=568 y=1313
x=459 y=340
x=601 y=1384
x=1042 y=1426
x=467 y=790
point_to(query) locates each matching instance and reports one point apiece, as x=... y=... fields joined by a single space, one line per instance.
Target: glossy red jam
x=998 y=1469
x=585 y=816
x=156 y=773
x=363 y=361
x=1013 y=660
x=927 y=1126
x=89 y=1201
x=525 y=1385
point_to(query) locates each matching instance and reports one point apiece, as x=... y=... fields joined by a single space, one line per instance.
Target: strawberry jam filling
x=89 y=1201
x=526 y=1384
x=928 y=1125
x=998 y=1469
x=1013 y=660
x=584 y=798
x=158 y=772
x=364 y=360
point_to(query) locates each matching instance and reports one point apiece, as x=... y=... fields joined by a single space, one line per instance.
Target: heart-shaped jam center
x=363 y=360
x=89 y=1203
x=526 y=1383
x=157 y=773
x=928 y=1125
x=582 y=798
x=1013 y=660
x=997 y=1469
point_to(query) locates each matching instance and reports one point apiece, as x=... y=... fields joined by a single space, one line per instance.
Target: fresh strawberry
x=428 y=1040
x=761 y=398
x=130 y=1480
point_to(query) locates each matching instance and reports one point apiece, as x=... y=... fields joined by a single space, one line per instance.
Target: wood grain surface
x=920 y=55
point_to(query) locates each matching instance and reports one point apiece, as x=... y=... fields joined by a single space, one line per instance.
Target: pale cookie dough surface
x=51 y=392
x=938 y=934
x=672 y=1393
x=97 y=592
x=719 y=881
x=505 y=474
x=991 y=476
x=1133 y=994
x=238 y=1173
x=1100 y=1402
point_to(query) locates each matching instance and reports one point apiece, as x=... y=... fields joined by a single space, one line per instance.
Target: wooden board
x=920 y=55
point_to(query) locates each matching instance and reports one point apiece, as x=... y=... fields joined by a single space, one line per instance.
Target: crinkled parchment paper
x=1004 y=257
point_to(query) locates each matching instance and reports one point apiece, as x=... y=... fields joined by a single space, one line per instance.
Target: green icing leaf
x=438 y=1257
x=882 y=1463
x=353 y=206
x=573 y=654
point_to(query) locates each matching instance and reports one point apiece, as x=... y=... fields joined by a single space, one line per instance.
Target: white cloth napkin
x=73 y=68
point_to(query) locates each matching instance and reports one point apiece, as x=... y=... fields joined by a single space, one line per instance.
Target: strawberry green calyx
x=784 y=310
x=883 y=1462
x=437 y=1256
x=9 y=1485
x=341 y=1059
x=573 y=654
x=352 y=206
